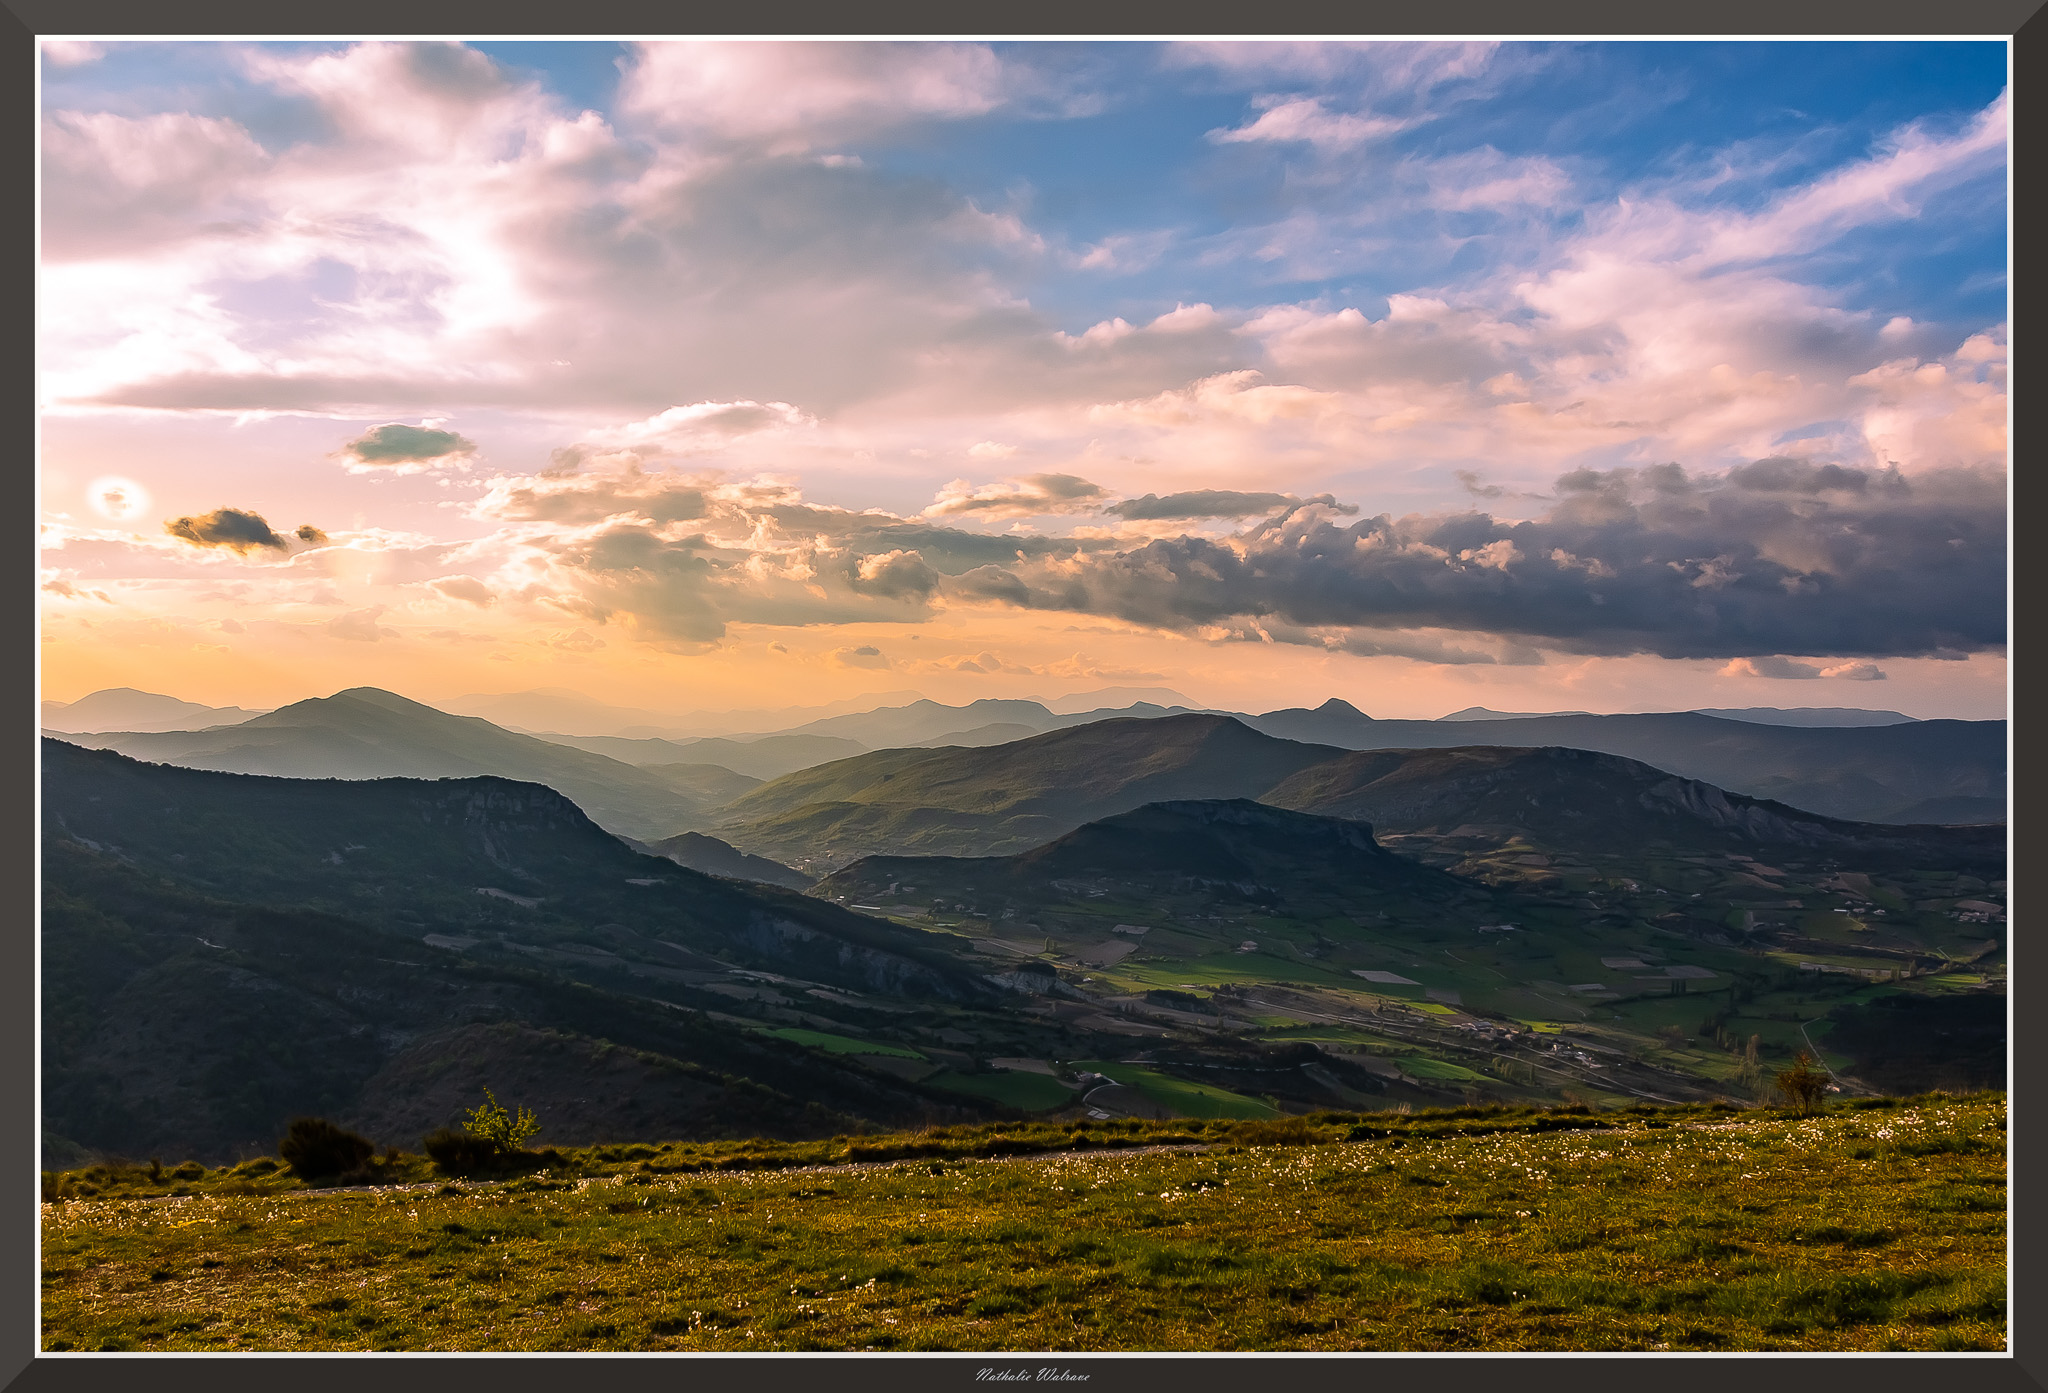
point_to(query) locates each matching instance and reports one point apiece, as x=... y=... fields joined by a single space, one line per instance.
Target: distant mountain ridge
x=1009 y=797
x=1581 y=802
x=1863 y=774
x=1808 y=715
x=125 y=708
x=365 y=732
x=1003 y=799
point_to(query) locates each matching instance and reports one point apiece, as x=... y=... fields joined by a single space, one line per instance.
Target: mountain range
x=125 y=708
x=1006 y=798
x=367 y=733
x=1245 y=853
x=1909 y=772
x=1869 y=766
x=222 y=948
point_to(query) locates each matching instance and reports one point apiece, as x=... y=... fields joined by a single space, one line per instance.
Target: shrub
x=315 y=1147
x=1802 y=1084
x=494 y=1124
x=459 y=1153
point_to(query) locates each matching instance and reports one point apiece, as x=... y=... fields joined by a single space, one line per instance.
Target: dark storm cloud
x=227 y=527
x=1776 y=557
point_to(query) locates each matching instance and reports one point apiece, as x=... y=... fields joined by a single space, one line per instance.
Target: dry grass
x=1874 y=1228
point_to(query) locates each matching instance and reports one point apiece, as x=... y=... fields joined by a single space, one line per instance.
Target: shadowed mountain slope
x=224 y=950
x=1232 y=848
x=460 y=856
x=1578 y=801
x=714 y=857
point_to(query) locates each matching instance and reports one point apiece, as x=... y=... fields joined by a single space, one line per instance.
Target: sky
x=703 y=375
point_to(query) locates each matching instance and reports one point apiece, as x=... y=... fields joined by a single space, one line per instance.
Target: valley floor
x=1880 y=1226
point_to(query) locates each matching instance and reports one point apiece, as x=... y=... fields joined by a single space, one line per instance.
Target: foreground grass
x=1881 y=1227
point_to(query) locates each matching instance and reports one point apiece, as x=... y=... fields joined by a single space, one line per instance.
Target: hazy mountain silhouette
x=125 y=708
x=367 y=733
x=1864 y=774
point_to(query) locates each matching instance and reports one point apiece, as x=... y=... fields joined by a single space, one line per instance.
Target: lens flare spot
x=117 y=499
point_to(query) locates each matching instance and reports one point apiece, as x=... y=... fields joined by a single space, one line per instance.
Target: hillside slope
x=223 y=950
x=1578 y=801
x=1010 y=797
x=1222 y=851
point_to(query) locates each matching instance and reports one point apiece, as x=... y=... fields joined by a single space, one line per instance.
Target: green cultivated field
x=1031 y=1092
x=1874 y=1226
x=838 y=1044
x=1186 y=1098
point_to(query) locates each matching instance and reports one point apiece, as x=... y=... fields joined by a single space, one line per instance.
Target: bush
x=1802 y=1084
x=459 y=1153
x=315 y=1147
x=494 y=1124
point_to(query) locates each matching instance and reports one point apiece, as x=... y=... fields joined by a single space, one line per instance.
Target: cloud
x=404 y=449
x=116 y=185
x=1304 y=120
x=896 y=574
x=71 y=53
x=677 y=557
x=793 y=97
x=1203 y=503
x=865 y=656
x=64 y=589
x=703 y=425
x=1034 y=495
x=1779 y=556
x=1788 y=669
x=1236 y=395
x=468 y=589
x=238 y=531
x=360 y=626
x=1769 y=561
x=311 y=535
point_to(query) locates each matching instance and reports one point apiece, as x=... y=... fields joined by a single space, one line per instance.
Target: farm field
x=1873 y=1226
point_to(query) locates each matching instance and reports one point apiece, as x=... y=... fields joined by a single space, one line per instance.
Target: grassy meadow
x=1874 y=1226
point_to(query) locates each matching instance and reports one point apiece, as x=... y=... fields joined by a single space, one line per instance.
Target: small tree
x=1802 y=1084
x=494 y=1123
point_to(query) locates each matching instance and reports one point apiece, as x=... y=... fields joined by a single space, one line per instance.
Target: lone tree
x=1802 y=1084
